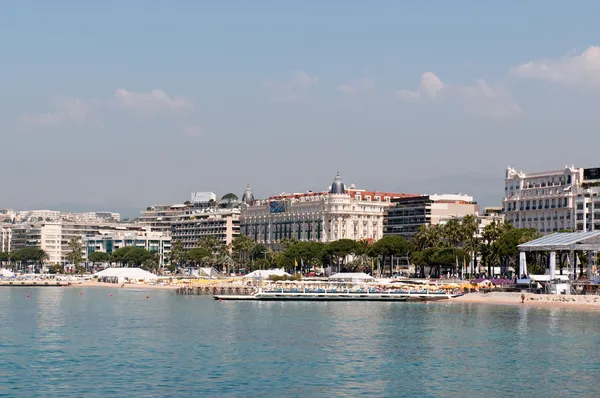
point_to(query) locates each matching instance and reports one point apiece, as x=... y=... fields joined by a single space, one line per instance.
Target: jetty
x=217 y=289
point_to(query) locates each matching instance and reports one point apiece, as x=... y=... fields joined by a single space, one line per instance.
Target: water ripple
x=63 y=343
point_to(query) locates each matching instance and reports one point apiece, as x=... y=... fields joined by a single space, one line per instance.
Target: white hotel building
x=340 y=213
x=544 y=201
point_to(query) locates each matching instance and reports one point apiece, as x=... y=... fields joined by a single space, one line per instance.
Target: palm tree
x=470 y=226
x=75 y=248
x=489 y=235
x=242 y=247
x=428 y=236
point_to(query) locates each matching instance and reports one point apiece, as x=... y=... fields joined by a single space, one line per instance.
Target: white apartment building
x=587 y=201
x=33 y=216
x=543 y=200
x=316 y=216
x=406 y=215
x=107 y=241
x=5 y=238
x=160 y=218
x=7 y=215
x=53 y=237
x=26 y=216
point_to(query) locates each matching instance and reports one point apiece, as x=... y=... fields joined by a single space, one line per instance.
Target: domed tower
x=248 y=196
x=338 y=186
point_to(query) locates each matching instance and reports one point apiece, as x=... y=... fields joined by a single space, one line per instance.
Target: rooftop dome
x=248 y=196
x=338 y=185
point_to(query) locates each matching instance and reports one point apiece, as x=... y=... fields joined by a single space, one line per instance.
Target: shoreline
x=531 y=300
x=127 y=285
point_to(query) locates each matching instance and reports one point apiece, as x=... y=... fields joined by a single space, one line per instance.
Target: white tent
x=266 y=273
x=354 y=277
x=210 y=273
x=131 y=274
x=6 y=273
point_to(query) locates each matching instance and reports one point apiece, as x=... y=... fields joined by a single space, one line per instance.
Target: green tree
x=489 y=235
x=98 y=257
x=150 y=264
x=177 y=255
x=506 y=246
x=137 y=256
x=55 y=269
x=391 y=246
x=228 y=200
x=118 y=256
x=33 y=255
x=75 y=248
x=470 y=226
x=198 y=255
x=242 y=247
x=229 y=197
x=3 y=257
x=428 y=236
x=220 y=257
x=340 y=249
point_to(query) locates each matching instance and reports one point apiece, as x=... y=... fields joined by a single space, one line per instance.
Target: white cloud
x=294 y=89
x=69 y=110
x=65 y=110
x=357 y=86
x=429 y=86
x=571 y=70
x=155 y=99
x=480 y=98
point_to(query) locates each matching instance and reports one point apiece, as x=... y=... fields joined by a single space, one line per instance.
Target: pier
x=213 y=290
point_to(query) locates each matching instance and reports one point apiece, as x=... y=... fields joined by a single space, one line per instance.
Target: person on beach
x=522 y=298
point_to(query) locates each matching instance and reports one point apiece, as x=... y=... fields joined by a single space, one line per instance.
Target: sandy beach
x=538 y=300
x=93 y=283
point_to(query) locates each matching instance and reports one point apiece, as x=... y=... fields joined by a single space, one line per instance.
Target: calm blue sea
x=61 y=343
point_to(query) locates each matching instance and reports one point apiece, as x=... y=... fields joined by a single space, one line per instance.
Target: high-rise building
x=542 y=200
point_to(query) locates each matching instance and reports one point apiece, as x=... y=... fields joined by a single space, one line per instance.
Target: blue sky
x=122 y=104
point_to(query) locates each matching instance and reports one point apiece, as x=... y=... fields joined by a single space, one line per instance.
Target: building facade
x=222 y=223
x=107 y=241
x=543 y=200
x=340 y=213
x=587 y=201
x=53 y=237
x=406 y=215
x=5 y=238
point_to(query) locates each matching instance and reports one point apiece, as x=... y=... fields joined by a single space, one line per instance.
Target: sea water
x=103 y=342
